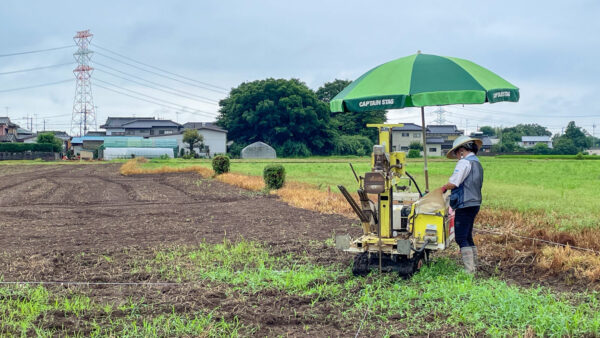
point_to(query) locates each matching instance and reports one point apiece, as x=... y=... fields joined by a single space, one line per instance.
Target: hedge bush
x=293 y=149
x=414 y=153
x=549 y=157
x=353 y=145
x=22 y=147
x=220 y=164
x=274 y=176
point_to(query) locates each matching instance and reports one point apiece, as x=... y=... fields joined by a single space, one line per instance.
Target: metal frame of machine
x=397 y=234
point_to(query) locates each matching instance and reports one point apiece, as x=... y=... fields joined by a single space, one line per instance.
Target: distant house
x=593 y=151
x=86 y=143
x=530 y=141
x=23 y=134
x=59 y=134
x=434 y=146
x=215 y=138
x=8 y=130
x=140 y=126
x=402 y=137
x=448 y=132
x=488 y=142
x=439 y=137
x=445 y=131
x=96 y=133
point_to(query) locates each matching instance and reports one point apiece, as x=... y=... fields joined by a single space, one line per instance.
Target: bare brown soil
x=59 y=223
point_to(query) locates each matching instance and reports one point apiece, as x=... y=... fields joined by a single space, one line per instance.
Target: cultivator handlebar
x=361 y=215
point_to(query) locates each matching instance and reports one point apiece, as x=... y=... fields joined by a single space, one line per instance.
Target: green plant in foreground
x=439 y=296
x=24 y=310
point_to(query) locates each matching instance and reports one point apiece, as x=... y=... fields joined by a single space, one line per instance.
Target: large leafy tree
x=283 y=113
x=578 y=136
x=49 y=138
x=513 y=134
x=574 y=139
x=330 y=89
x=487 y=131
x=351 y=123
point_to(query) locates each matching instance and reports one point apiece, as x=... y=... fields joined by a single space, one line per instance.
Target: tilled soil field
x=85 y=228
x=58 y=222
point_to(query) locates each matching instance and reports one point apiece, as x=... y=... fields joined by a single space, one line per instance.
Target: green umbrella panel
x=423 y=80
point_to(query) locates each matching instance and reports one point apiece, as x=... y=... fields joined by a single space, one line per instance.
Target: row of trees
x=294 y=119
x=574 y=140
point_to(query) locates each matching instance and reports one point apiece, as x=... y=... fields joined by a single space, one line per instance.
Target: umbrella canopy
x=423 y=80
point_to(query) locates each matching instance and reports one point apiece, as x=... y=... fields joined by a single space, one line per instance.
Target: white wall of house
x=77 y=149
x=434 y=150
x=402 y=139
x=529 y=144
x=115 y=132
x=216 y=141
x=594 y=151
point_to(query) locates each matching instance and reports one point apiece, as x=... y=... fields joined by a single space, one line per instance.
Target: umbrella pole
x=425 y=150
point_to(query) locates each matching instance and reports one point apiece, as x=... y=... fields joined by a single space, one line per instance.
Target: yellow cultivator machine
x=402 y=225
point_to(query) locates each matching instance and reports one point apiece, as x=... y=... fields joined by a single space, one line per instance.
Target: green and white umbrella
x=421 y=80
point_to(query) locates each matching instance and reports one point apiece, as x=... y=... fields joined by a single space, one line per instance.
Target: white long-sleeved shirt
x=461 y=171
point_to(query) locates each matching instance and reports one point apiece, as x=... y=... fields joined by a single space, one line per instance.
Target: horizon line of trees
x=297 y=122
x=573 y=141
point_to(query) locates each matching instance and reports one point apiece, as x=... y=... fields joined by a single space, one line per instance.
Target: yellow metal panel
x=384 y=214
x=398 y=158
x=420 y=222
x=384 y=125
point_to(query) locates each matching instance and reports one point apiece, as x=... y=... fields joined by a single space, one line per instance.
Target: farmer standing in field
x=465 y=198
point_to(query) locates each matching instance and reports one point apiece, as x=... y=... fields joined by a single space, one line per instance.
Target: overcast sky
x=550 y=50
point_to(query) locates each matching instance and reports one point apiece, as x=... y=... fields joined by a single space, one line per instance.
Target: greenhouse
x=129 y=147
x=258 y=150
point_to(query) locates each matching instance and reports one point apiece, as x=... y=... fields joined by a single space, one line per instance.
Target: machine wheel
x=419 y=259
x=408 y=267
x=361 y=264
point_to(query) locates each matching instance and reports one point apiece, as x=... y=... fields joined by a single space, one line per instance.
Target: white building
x=402 y=137
x=593 y=151
x=215 y=138
x=530 y=141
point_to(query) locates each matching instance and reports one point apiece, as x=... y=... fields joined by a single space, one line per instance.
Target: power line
x=36 y=51
x=138 y=98
x=153 y=87
x=522 y=115
x=162 y=70
x=149 y=96
x=173 y=106
x=154 y=83
x=36 y=68
x=159 y=74
x=35 y=86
